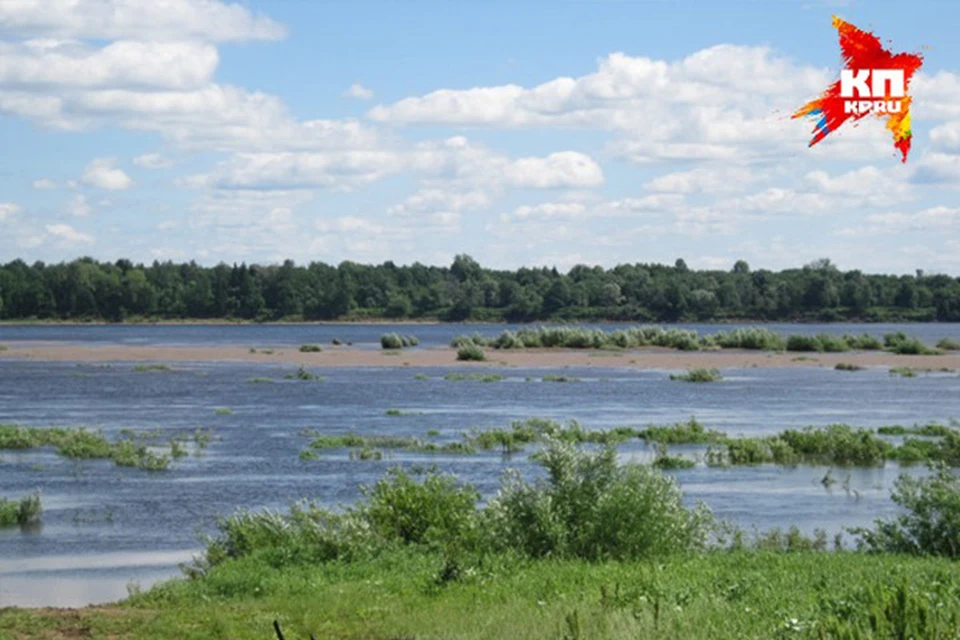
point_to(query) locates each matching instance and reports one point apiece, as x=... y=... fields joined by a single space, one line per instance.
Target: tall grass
x=471 y=352
x=949 y=344
x=82 y=444
x=24 y=512
x=899 y=343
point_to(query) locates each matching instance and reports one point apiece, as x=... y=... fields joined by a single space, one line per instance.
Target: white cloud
x=932 y=218
x=67 y=235
x=358 y=92
x=44 y=184
x=78 y=206
x=562 y=169
x=39 y=64
x=8 y=210
x=206 y=20
x=708 y=179
x=152 y=161
x=103 y=175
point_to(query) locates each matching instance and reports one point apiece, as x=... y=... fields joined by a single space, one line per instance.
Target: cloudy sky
x=522 y=133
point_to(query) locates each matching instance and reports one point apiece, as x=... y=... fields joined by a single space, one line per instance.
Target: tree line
x=86 y=289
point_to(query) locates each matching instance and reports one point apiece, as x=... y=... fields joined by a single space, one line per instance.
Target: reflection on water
x=105 y=526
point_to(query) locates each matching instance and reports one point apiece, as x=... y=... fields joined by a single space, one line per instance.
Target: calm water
x=105 y=527
x=368 y=335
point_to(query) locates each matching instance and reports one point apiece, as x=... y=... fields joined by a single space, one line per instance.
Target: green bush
x=591 y=507
x=900 y=344
x=470 y=352
x=23 y=512
x=847 y=366
x=391 y=341
x=949 y=344
x=698 y=375
x=310 y=348
x=931 y=524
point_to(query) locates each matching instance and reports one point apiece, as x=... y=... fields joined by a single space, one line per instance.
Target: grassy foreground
x=747 y=594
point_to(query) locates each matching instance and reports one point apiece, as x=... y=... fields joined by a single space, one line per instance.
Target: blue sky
x=522 y=133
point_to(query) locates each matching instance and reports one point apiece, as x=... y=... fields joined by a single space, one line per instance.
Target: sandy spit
x=447 y=357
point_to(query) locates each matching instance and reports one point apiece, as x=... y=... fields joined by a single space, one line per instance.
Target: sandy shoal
x=442 y=357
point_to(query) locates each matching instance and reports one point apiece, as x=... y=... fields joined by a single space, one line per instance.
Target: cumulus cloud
x=103 y=175
x=67 y=235
x=206 y=20
x=152 y=161
x=8 y=210
x=358 y=92
x=44 y=184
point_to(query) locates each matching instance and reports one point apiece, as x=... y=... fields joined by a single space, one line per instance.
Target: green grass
x=82 y=444
x=473 y=377
x=147 y=368
x=23 y=512
x=260 y=380
x=223 y=411
x=903 y=372
x=742 y=594
x=690 y=432
x=310 y=348
x=698 y=374
x=846 y=366
x=559 y=379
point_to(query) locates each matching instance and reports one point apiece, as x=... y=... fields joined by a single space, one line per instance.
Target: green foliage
x=260 y=380
x=553 y=378
x=690 y=432
x=24 y=512
x=117 y=291
x=147 y=368
x=310 y=348
x=847 y=366
x=903 y=372
x=900 y=344
x=591 y=507
x=931 y=522
x=82 y=444
x=303 y=375
x=471 y=352
x=949 y=344
x=473 y=377
x=223 y=411
x=397 y=341
x=698 y=374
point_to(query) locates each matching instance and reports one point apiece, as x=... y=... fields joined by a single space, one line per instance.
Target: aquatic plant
x=847 y=366
x=690 y=432
x=698 y=374
x=903 y=372
x=146 y=368
x=223 y=411
x=303 y=375
x=470 y=352
x=310 y=348
x=260 y=380
x=553 y=378
x=473 y=377
x=24 y=512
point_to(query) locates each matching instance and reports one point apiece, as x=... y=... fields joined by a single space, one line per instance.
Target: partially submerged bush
x=899 y=343
x=848 y=366
x=23 y=512
x=310 y=348
x=698 y=374
x=588 y=507
x=931 y=524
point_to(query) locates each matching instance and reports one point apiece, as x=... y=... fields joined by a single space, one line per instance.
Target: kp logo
x=874 y=80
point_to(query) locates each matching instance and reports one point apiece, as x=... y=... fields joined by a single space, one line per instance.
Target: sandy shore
x=446 y=357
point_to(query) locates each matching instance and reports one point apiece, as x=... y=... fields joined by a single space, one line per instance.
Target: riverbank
x=343 y=356
x=748 y=594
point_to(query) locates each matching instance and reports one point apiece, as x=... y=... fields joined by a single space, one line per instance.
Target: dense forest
x=86 y=289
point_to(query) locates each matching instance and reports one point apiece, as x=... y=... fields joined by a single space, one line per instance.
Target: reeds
x=24 y=512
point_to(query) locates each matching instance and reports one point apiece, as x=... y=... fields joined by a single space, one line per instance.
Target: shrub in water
x=23 y=512
x=931 y=524
x=698 y=375
x=391 y=341
x=949 y=344
x=310 y=348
